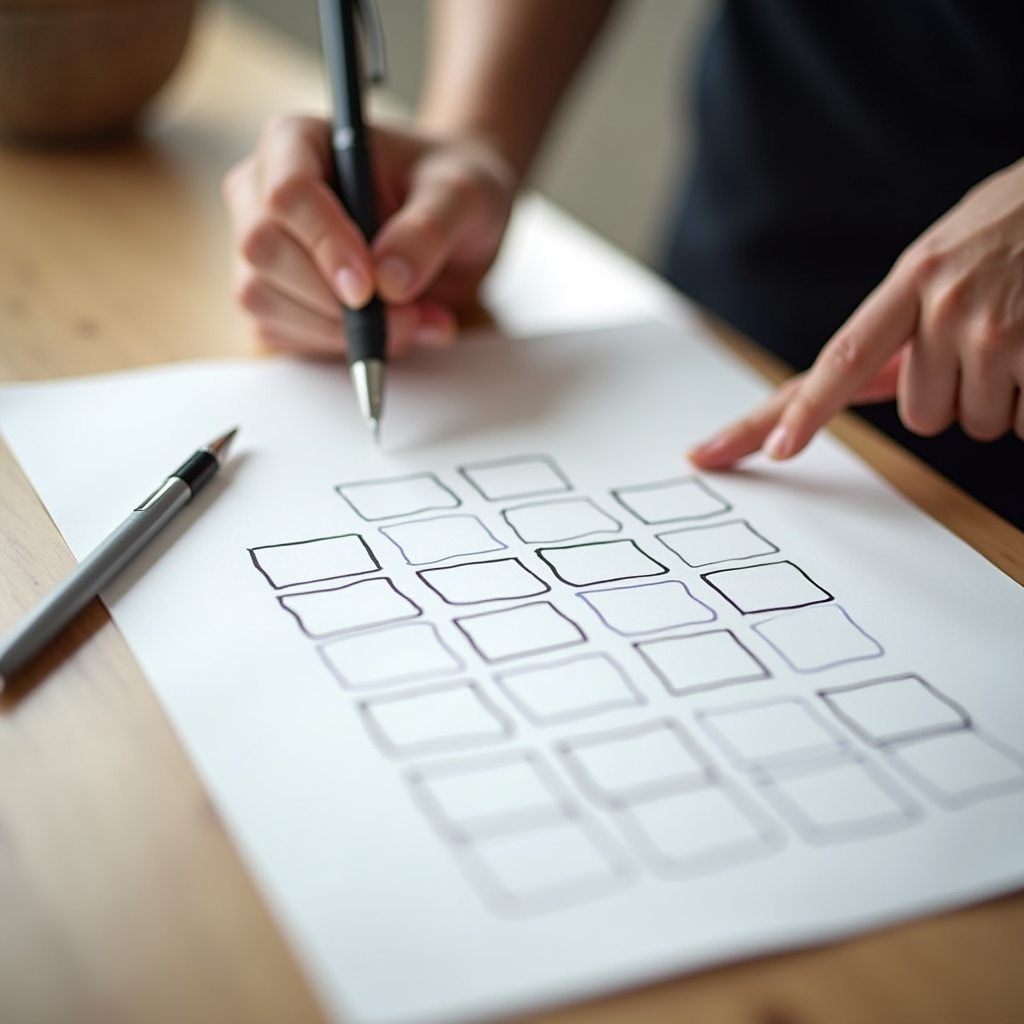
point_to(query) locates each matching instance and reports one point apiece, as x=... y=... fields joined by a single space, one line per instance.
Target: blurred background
x=622 y=136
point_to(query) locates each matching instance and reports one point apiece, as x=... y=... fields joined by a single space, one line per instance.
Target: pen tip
x=374 y=424
x=220 y=447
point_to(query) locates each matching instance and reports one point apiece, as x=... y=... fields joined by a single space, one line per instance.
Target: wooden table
x=121 y=897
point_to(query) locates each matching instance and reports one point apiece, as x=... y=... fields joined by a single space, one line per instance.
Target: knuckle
x=286 y=197
x=843 y=355
x=261 y=245
x=947 y=302
x=253 y=295
x=988 y=339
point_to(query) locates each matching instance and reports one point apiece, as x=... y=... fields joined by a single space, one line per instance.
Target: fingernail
x=353 y=288
x=394 y=276
x=433 y=336
x=777 y=443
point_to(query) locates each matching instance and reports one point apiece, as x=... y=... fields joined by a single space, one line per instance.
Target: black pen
x=365 y=328
x=55 y=611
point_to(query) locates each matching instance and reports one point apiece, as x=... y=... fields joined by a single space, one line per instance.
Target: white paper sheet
x=520 y=709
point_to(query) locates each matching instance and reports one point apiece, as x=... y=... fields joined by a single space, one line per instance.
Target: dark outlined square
x=701 y=661
x=521 y=476
x=648 y=607
x=434 y=719
x=670 y=501
x=719 y=542
x=698 y=831
x=426 y=541
x=378 y=658
x=398 y=496
x=819 y=637
x=771 y=587
x=773 y=733
x=624 y=766
x=473 y=798
x=561 y=691
x=603 y=561
x=314 y=561
x=959 y=768
x=896 y=708
x=501 y=579
x=361 y=605
x=564 y=519
x=535 y=628
x=839 y=802
x=546 y=869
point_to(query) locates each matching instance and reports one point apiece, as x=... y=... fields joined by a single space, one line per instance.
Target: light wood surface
x=121 y=897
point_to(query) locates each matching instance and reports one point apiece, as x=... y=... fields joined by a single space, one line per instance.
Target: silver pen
x=54 y=612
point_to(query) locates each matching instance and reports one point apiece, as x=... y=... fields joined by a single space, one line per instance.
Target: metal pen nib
x=368 y=381
x=219 y=448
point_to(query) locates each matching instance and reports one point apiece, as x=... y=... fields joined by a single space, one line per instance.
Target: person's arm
x=943 y=334
x=445 y=184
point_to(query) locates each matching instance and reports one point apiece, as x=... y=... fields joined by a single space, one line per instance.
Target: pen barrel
x=55 y=611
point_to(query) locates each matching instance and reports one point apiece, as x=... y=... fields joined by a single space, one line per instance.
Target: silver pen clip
x=373 y=55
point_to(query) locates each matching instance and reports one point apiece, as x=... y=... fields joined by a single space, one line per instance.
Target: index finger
x=295 y=165
x=882 y=323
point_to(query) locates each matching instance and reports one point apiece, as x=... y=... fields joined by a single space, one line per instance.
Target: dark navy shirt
x=831 y=133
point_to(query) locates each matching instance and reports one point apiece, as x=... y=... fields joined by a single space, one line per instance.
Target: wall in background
x=621 y=138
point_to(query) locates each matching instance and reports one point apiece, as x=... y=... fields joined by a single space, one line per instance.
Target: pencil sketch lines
x=475 y=582
x=669 y=501
x=398 y=496
x=818 y=637
x=701 y=661
x=577 y=687
x=605 y=561
x=361 y=605
x=517 y=833
x=434 y=719
x=535 y=628
x=521 y=476
x=426 y=541
x=314 y=561
x=378 y=658
x=721 y=542
x=647 y=607
x=566 y=519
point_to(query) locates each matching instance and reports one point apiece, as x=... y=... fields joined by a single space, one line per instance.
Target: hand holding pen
x=443 y=204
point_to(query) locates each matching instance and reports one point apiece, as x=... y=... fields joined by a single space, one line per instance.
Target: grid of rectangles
x=481 y=619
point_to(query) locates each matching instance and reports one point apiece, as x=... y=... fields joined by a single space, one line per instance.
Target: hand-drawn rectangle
x=959 y=768
x=502 y=579
x=603 y=561
x=314 y=561
x=701 y=661
x=648 y=607
x=522 y=476
x=589 y=684
x=479 y=797
x=772 y=733
x=546 y=522
x=514 y=632
x=839 y=802
x=359 y=605
x=628 y=765
x=386 y=657
x=398 y=496
x=720 y=542
x=670 y=501
x=433 y=719
x=425 y=541
x=545 y=869
x=698 y=831
x=897 y=708
x=772 y=587
x=819 y=637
